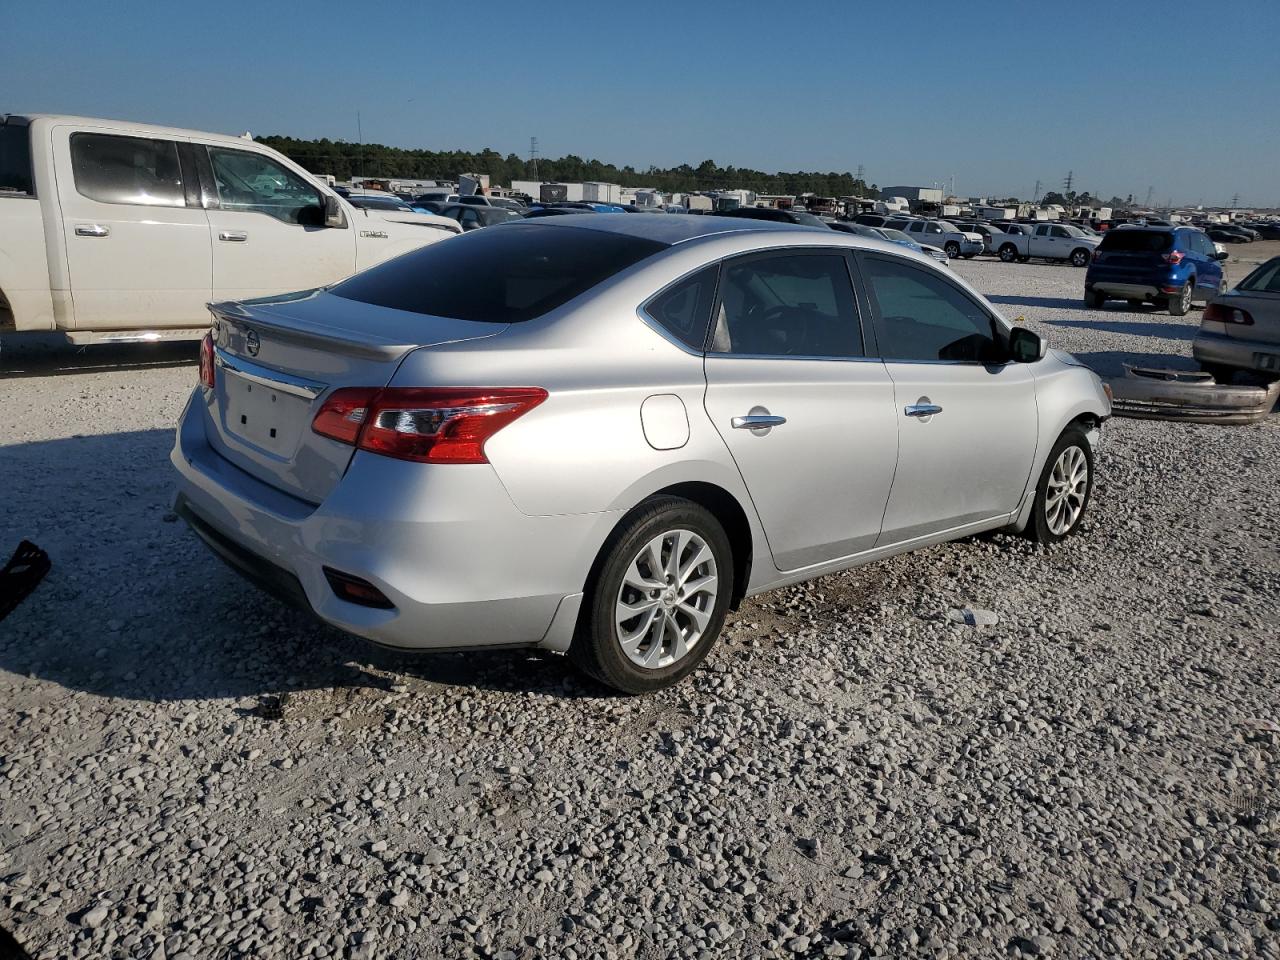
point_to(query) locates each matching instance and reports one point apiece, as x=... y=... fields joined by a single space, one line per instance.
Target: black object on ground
x=271 y=707
x=25 y=569
x=10 y=949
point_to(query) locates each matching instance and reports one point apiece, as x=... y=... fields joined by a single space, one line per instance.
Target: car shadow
x=136 y=607
x=49 y=354
x=1110 y=363
x=1138 y=328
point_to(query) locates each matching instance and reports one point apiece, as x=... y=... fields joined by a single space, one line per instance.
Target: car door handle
x=233 y=236
x=92 y=230
x=922 y=409
x=757 y=421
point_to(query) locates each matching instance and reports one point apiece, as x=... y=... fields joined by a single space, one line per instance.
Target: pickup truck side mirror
x=1220 y=254
x=1026 y=346
x=333 y=215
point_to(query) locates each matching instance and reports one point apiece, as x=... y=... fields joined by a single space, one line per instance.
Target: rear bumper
x=1126 y=291
x=1232 y=351
x=462 y=566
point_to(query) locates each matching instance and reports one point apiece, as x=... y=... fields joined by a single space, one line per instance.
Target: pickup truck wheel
x=1063 y=491
x=1008 y=253
x=1180 y=302
x=952 y=248
x=1080 y=258
x=1093 y=300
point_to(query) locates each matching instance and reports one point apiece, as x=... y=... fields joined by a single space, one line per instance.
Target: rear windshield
x=498 y=276
x=1137 y=241
x=15 y=160
x=1266 y=279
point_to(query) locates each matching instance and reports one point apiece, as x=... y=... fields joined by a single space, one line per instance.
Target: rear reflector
x=424 y=424
x=206 y=361
x=354 y=590
x=1224 y=314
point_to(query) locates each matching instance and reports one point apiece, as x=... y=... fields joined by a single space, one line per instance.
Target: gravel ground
x=851 y=774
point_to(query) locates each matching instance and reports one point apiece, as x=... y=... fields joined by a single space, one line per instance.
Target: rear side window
x=133 y=170
x=684 y=309
x=498 y=276
x=788 y=305
x=15 y=160
x=1266 y=279
x=1137 y=241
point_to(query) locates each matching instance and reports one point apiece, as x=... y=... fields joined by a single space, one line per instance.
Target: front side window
x=252 y=183
x=684 y=309
x=923 y=317
x=788 y=305
x=134 y=170
x=933 y=228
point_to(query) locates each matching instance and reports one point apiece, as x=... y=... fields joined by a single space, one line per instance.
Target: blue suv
x=1175 y=266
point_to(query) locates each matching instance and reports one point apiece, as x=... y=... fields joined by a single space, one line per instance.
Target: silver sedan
x=1240 y=329
x=597 y=434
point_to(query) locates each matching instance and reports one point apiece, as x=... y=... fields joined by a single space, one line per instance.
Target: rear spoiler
x=260 y=315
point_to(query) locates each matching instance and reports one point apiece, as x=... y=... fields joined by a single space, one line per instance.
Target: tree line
x=346 y=160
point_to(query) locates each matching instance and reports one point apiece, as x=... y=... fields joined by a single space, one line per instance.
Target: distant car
x=535 y=212
x=989 y=233
x=800 y=218
x=473 y=217
x=1240 y=329
x=944 y=234
x=428 y=206
x=436 y=196
x=1174 y=266
x=1223 y=233
x=874 y=219
x=893 y=236
x=1266 y=231
x=366 y=202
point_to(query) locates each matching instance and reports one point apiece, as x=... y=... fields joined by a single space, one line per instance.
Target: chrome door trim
x=758 y=421
x=298 y=387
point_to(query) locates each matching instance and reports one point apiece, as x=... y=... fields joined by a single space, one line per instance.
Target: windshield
x=1137 y=241
x=897 y=236
x=949 y=227
x=1266 y=279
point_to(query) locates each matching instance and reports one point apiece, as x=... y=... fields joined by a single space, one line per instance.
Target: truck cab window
x=133 y=170
x=253 y=183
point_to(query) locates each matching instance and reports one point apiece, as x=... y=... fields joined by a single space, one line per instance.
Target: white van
x=111 y=230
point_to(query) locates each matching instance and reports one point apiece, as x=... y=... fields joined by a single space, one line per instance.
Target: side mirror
x=1220 y=255
x=333 y=215
x=1026 y=346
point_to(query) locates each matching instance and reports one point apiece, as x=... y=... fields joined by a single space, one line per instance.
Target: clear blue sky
x=1178 y=95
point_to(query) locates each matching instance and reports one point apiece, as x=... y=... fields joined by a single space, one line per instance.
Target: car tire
x=1062 y=494
x=610 y=649
x=1180 y=302
x=1080 y=258
x=1094 y=301
x=1008 y=253
x=952 y=248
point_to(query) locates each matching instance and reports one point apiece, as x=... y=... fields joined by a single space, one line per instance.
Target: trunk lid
x=276 y=361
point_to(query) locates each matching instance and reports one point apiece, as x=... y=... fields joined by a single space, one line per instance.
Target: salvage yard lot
x=850 y=774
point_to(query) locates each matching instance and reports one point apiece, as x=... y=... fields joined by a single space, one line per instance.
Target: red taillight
x=206 y=361
x=343 y=414
x=1173 y=256
x=1224 y=314
x=425 y=424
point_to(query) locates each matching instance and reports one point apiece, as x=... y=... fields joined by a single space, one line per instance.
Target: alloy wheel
x=1068 y=485
x=1186 y=296
x=666 y=600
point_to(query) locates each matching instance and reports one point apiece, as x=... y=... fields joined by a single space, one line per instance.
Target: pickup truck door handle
x=757 y=421
x=922 y=409
x=92 y=230
x=233 y=236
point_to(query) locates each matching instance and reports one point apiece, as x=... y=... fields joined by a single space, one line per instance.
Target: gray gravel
x=852 y=774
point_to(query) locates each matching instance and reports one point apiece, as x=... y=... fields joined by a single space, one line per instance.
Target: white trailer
x=597 y=192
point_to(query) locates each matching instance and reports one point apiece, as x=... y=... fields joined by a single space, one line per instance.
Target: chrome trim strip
x=298 y=387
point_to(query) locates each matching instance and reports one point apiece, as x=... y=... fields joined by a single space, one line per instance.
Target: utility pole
x=533 y=155
x=1151 y=191
x=1235 y=201
x=1035 y=195
x=360 y=141
x=1068 y=179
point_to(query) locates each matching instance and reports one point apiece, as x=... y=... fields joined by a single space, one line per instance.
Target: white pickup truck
x=1049 y=241
x=112 y=231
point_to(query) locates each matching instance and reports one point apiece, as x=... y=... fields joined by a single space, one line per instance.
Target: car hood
x=414 y=218
x=976 y=237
